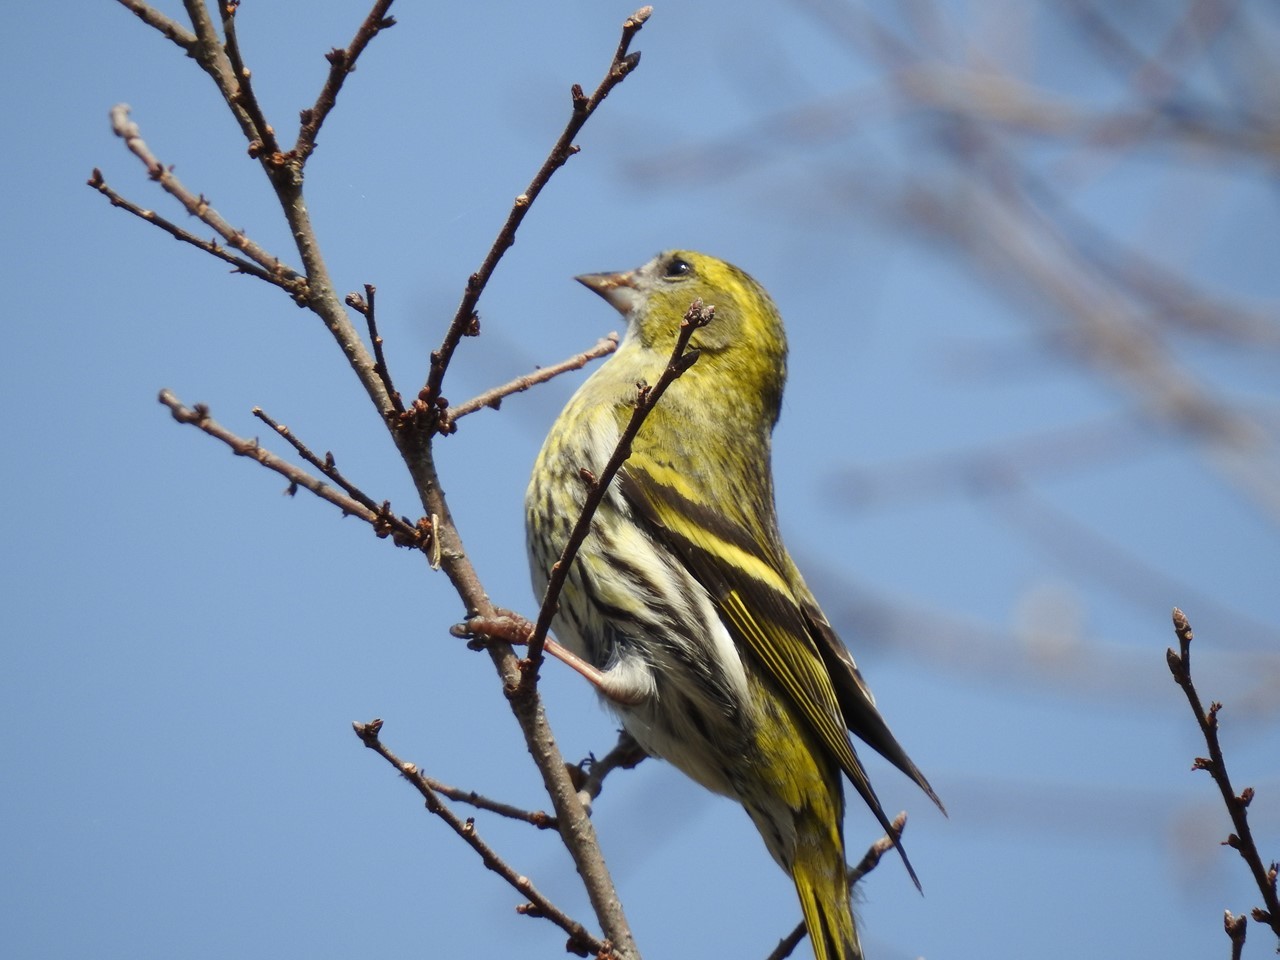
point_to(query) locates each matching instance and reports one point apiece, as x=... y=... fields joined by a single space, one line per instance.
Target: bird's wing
x=856 y=702
x=759 y=609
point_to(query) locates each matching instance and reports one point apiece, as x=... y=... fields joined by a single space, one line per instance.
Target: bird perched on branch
x=689 y=614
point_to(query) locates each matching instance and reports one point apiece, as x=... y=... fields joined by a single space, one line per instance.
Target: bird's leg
x=515 y=630
x=604 y=681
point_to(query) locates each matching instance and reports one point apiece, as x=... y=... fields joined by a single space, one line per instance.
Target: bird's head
x=744 y=348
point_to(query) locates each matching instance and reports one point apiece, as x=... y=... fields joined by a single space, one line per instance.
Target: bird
x=682 y=604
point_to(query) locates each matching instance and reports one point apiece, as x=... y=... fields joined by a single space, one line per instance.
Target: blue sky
x=185 y=647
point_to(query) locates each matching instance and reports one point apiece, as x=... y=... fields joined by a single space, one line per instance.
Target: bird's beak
x=619 y=289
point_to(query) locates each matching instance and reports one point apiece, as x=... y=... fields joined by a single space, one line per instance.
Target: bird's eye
x=677 y=268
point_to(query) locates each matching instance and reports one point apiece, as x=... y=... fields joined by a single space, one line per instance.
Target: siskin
x=702 y=634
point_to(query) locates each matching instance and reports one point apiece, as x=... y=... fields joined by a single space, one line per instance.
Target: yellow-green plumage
x=713 y=650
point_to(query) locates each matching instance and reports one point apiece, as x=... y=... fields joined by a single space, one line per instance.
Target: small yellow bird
x=708 y=643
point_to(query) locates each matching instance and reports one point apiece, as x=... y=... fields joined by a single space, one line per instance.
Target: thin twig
x=208 y=52
x=625 y=755
x=341 y=63
x=366 y=307
x=197 y=206
x=465 y=319
x=384 y=522
x=167 y=27
x=1237 y=805
x=493 y=398
x=1235 y=927
x=787 y=945
x=681 y=360
x=579 y=938
x=538 y=818
x=328 y=466
x=870 y=860
x=265 y=141
x=292 y=284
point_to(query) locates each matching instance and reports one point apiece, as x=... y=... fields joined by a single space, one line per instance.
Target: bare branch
x=493 y=398
x=682 y=358
x=538 y=818
x=1235 y=927
x=169 y=28
x=198 y=206
x=209 y=53
x=365 y=306
x=871 y=859
x=579 y=939
x=384 y=523
x=1237 y=805
x=265 y=136
x=625 y=755
x=341 y=63
x=465 y=320
x=576 y=828
x=328 y=466
x=291 y=284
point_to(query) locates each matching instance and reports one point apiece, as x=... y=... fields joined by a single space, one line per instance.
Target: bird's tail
x=822 y=883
